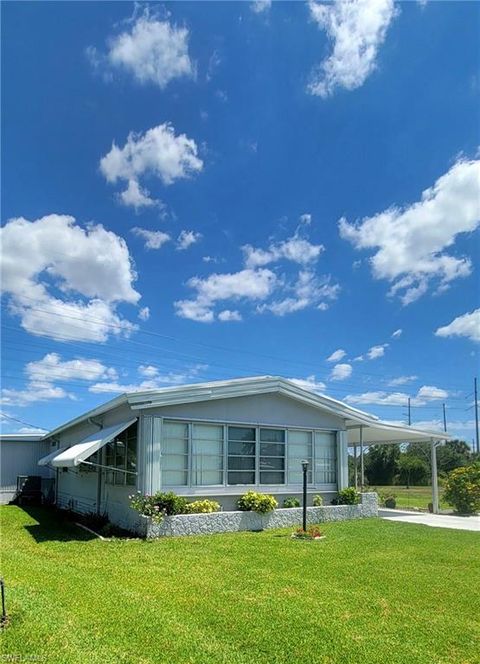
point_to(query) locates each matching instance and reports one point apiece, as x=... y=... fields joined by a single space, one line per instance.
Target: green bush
x=202 y=507
x=291 y=502
x=256 y=502
x=317 y=500
x=462 y=489
x=158 y=505
x=348 y=497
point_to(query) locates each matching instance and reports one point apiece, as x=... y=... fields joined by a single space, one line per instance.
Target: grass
x=372 y=592
x=415 y=496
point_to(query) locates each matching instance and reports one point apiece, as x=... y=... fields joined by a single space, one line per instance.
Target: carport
x=376 y=432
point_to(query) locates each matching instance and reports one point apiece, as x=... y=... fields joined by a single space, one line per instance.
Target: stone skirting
x=225 y=522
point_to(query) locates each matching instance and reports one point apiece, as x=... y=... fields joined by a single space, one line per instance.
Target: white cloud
x=152 y=51
x=148 y=371
x=296 y=249
x=341 y=372
x=431 y=393
x=187 y=238
x=260 y=6
x=309 y=383
x=425 y=394
x=144 y=313
x=402 y=380
x=153 y=239
x=467 y=326
x=153 y=382
x=308 y=290
x=44 y=373
x=158 y=153
x=33 y=393
x=411 y=241
x=91 y=267
x=357 y=30
x=51 y=368
x=228 y=315
x=136 y=196
x=306 y=219
x=337 y=355
x=376 y=351
x=397 y=334
x=246 y=284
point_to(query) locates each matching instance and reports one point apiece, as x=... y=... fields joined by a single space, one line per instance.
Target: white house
x=19 y=455
x=213 y=440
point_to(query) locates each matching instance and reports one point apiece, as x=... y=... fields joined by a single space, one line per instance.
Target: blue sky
x=200 y=191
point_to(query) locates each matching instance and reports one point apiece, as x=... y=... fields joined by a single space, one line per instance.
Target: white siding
x=19 y=457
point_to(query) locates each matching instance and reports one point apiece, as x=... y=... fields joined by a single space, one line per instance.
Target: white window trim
x=212 y=489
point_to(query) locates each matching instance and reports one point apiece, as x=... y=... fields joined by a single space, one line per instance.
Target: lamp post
x=305 y=469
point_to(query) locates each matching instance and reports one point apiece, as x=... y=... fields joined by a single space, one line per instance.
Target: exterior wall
x=223 y=522
x=274 y=409
x=78 y=490
x=20 y=457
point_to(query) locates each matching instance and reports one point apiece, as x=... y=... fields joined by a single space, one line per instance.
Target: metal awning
x=382 y=433
x=44 y=461
x=73 y=456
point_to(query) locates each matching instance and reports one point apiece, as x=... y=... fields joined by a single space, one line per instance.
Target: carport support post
x=434 y=477
x=355 y=462
x=362 y=465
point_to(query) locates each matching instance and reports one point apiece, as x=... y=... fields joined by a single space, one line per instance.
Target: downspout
x=90 y=420
x=434 y=477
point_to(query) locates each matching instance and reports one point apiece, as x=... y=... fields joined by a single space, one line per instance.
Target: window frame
x=203 y=489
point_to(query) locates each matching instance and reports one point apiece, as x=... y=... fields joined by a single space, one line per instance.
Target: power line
x=15 y=419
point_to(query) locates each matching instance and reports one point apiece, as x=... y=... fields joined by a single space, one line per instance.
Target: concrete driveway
x=433 y=520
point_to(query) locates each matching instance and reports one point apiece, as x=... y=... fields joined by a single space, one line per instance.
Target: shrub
x=146 y=506
x=169 y=503
x=462 y=489
x=291 y=502
x=348 y=497
x=256 y=502
x=202 y=507
x=317 y=500
x=158 y=505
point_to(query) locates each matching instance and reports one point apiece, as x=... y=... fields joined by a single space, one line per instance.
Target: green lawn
x=372 y=592
x=415 y=496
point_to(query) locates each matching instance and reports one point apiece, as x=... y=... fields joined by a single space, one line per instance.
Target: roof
x=23 y=437
x=239 y=387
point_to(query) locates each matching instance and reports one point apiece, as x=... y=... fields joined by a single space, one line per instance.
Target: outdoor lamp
x=304 y=468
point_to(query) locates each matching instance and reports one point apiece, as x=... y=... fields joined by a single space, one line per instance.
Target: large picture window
x=203 y=454
x=242 y=448
x=272 y=456
x=121 y=453
x=207 y=454
x=175 y=450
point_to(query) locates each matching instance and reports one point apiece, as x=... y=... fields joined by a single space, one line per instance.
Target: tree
x=412 y=470
x=381 y=464
x=462 y=489
x=454 y=454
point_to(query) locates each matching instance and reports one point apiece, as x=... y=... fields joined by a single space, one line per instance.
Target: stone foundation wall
x=225 y=522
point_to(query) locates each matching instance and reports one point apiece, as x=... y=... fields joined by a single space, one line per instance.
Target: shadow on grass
x=54 y=526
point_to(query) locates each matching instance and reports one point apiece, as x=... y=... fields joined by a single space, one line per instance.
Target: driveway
x=433 y=520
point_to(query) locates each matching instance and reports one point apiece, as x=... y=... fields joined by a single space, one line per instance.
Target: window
x=207 y=454
x=241 y=455
x=272 y=456
x=299 y=449
x=121 y=453
x=325 y=458
x=175 y=450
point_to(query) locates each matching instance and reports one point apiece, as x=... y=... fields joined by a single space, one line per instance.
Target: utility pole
x=476 y=413
x=409 y=412
x=444 y=418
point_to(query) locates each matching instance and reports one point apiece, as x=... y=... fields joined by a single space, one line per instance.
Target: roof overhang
x=382 y=433
x=73 y=456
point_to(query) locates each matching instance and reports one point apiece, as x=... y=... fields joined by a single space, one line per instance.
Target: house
x=214 y=440
x=19 y=455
